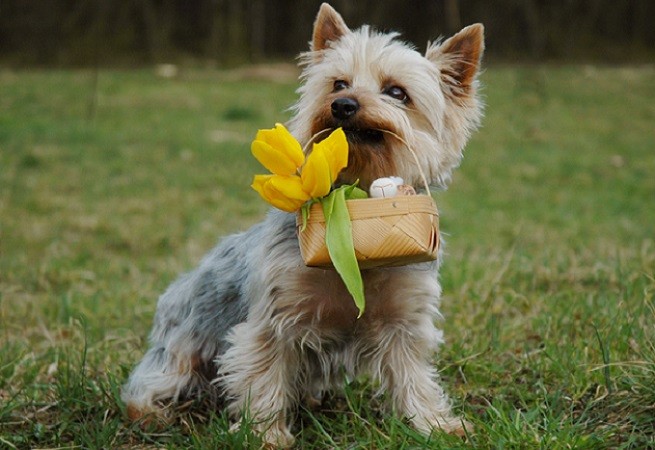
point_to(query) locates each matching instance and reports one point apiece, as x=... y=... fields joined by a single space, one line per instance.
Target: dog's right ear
x=458 y=58
x=328 y=27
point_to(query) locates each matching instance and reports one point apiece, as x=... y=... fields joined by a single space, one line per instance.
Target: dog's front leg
x=411 y=380
x=258 y=374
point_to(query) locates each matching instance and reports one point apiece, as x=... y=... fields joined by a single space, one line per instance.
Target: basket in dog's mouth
x=391 y=231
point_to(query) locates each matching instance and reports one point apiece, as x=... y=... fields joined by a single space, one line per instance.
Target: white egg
x=382 y=188
x=399 y=181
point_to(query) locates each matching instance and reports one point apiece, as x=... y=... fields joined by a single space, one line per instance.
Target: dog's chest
x=321 y=300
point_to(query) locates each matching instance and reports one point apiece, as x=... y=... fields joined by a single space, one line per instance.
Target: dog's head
x=388 y=97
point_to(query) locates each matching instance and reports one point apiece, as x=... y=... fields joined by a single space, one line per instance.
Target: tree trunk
x=453 y=20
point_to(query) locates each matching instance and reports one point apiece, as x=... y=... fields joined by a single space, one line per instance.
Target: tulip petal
x=279 y=144
x=282 y=192
x=286 y=204
x=273 y=158
x=275 y=198
x=290 y=187
x=258 y=184
x=316 y=179
x=335 y=148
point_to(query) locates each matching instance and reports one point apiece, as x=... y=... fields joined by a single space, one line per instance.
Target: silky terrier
x=257 y=329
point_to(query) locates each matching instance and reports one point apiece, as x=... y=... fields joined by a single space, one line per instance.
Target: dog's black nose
x=344 y=108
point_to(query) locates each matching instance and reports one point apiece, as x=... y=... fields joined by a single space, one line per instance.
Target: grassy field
x=109 y=188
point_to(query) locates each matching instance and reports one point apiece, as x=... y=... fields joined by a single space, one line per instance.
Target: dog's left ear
x=458 y=57
x=329 y=26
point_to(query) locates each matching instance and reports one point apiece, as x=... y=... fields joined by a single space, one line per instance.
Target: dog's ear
x=329 y=26
x=458 y=57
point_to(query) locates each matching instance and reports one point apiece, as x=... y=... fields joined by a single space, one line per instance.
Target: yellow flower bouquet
x=295 y=180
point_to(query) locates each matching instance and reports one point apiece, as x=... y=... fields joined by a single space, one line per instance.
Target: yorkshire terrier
x=255 y=327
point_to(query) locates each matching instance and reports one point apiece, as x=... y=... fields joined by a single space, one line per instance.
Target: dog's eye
x=340 y=85
x=398 y=93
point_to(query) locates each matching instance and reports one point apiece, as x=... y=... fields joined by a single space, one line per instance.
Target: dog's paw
x=273 y=436
x=450 y=425
x=278 y=437
x=149 y=417
x=458 y=427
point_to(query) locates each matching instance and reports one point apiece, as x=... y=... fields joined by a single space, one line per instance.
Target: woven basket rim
x=366 y=208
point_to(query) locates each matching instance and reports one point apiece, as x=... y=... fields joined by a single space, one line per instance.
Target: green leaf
x=355 y=193
x=339 y=242
x=304 y=211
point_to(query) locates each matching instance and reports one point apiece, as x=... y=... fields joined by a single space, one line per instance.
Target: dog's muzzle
x=344 y=114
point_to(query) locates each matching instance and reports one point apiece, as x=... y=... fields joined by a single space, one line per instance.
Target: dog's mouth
x=371 y=149
x=364 y=136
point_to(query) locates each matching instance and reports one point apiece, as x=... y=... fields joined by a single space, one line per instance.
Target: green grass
x=549 y=279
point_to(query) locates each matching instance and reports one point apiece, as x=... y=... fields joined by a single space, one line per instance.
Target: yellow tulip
x=323 y=165
x=278 y=151
x=316 y=179
x=290 y=187
x=283 y=192
x=335 y=147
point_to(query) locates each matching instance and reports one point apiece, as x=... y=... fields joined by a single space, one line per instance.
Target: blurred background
x=229 y=32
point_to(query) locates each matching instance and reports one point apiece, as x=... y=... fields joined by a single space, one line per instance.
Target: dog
x=256 y=328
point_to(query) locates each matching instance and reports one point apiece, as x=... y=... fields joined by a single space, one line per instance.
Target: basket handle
x=418 y=164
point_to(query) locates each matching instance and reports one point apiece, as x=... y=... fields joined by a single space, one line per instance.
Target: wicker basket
x=391 y=231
